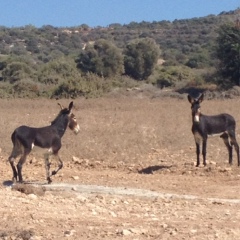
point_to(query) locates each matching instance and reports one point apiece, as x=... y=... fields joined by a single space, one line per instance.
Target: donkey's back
x=29 y=136
x=217 y=124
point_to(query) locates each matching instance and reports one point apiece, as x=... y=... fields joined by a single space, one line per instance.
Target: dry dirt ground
x=129 y=174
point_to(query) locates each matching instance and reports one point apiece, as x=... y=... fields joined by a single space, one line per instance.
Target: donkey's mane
x=61 y=113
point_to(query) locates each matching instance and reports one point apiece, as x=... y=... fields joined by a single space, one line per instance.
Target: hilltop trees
x=84 y=61
x=105 y=59
x=228 y=52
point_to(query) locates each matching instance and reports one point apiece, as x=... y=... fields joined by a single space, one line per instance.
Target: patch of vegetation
x=81 y=61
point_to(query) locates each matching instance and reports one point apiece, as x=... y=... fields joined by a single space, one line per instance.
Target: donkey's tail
x=17 y=146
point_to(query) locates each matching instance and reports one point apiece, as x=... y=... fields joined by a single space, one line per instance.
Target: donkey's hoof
x=14 y=180
x=49 y=180
x=54 y=172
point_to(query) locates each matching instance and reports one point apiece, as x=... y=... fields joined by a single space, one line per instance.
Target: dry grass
x=118 y=129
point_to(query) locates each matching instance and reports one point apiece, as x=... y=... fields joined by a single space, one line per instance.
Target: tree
x=32 y=45
x=16 y=71
x=57 y=71
x=228 y=52
x=141 y=56
x=102 y=58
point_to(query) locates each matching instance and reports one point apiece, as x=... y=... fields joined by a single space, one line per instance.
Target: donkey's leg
x=21 y=162
x=55 y=148
x=15 y=174
x=204 y=150
x=225 y=138
x=233 y=142
x=15 y=153
x=47 y=166
x=198 y=153
x=60 y=165
x=198 y=141
x=236 y=146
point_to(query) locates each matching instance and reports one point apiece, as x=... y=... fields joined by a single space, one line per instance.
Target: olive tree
x=102 y=58
x=141 y=57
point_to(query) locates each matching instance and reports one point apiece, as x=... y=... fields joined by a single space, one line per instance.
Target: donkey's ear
x=200 y=99
x=60 y=106
x=70 y=106
x=190 y=99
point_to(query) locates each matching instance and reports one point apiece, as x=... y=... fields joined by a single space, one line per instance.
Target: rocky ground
x=129 y=174
x=122 y=202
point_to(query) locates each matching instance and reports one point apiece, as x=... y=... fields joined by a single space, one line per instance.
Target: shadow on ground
x=8 y=183
x=152 y=169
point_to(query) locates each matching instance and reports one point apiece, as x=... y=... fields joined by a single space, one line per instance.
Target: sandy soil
x=105 y=194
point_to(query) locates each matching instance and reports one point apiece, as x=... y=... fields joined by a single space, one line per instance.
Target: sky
x=94 y=13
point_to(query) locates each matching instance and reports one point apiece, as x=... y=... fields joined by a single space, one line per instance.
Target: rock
x=32 y=196
x=76 y=160
x=113 y=214
x=29 y=189
x=75 y=177
x=33 y=160
x=164 y=226
x=69 y=233
x=213 y=163
x=126 y=232
x=226 y=169
x=173 y=233
x=82 y=199
x=84 y=162
x=138 y=231
x=193 y=231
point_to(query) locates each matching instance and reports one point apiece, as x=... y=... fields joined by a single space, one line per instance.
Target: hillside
x=182 y=42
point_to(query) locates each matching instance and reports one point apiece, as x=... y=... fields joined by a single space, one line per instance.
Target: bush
x=170 y=76
x=26 y=88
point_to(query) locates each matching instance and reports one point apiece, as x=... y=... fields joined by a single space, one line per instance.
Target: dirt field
x=128 y=174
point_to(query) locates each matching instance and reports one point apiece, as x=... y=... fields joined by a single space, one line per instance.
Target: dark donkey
x=203 y=126
x=24 y=138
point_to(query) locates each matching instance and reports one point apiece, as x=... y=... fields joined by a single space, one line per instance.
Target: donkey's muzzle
x=76 y=129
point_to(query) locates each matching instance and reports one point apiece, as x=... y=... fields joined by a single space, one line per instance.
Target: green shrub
x=26 y=88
